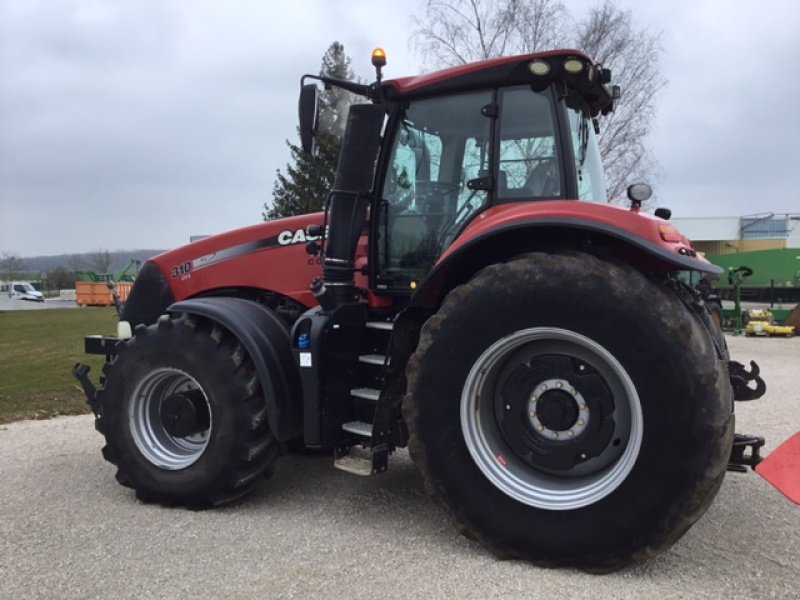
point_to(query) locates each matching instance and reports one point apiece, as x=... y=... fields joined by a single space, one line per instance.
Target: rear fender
x=265 y=337
x=467 y=257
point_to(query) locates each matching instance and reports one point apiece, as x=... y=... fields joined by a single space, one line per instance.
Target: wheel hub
x=557 y=410
x=184 y=413
x=170 y=418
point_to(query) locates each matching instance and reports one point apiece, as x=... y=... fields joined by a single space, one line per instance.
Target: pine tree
x=304 y=186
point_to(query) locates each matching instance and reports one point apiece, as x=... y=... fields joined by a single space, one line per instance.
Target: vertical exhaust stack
x=348 y=203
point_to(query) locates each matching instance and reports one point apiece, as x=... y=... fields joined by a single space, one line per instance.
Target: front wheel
x=569 y=411
x=183 y=415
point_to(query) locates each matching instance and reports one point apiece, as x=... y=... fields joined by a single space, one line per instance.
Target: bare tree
x=11 y=266
x=76 y=261
x=99 y=260
x=60 y=278
x=454 y=32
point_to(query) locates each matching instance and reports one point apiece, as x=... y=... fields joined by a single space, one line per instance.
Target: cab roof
x=590 y=82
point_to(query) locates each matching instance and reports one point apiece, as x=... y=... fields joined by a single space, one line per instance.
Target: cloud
x=140 y=123
x=137 y=123
x=725 y=136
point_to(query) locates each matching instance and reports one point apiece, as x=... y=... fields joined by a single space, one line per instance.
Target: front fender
x=265 y=338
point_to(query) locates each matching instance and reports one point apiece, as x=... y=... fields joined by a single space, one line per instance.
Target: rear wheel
x=569 y=411
x=183 y=415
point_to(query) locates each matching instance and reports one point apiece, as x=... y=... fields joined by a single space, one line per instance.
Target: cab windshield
x=586 y=154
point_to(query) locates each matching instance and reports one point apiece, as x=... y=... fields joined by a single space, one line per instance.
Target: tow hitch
x=81 y=373
x=782 y=467
x=739 y=461
x=740 y=377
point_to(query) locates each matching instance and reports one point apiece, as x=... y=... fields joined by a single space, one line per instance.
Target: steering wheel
x=455 y=224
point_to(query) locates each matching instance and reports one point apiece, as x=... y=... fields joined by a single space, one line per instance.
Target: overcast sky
x=137 y=123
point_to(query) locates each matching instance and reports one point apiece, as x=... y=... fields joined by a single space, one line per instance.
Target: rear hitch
x=740 y=377
x=81 y=373
x=739 y=461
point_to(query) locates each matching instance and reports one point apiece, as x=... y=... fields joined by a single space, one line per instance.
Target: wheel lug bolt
x=581 y=422
x=559 y=384
x=573 y=391
x=570 y=433
x=555 y=435
x=540 y=428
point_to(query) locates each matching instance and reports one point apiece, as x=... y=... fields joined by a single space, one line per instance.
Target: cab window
x=528 y=158
x=440 y=147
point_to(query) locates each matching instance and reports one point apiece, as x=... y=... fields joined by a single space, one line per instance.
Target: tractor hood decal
x=232 y=252
x=286 y=237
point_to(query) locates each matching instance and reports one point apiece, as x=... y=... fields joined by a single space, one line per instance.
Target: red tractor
x=468 y=293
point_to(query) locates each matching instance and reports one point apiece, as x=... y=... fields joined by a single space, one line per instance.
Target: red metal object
x=641 y=226
x=416 y=83
x=782 y=468
x=272 y=256
x=269 y=256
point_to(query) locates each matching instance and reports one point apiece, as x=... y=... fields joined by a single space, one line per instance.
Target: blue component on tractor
x=303 y=341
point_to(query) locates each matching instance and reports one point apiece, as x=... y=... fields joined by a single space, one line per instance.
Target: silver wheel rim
x=581 y=486
x=151 y=438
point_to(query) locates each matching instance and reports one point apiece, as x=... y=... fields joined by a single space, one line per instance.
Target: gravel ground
x=67 y=530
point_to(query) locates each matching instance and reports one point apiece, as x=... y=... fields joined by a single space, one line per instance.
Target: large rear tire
x=569 y=411
x=183 y=415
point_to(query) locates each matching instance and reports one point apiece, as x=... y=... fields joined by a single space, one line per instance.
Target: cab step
x=358 y=462
x=366 y=393
x=359 y=428
x=374 y=359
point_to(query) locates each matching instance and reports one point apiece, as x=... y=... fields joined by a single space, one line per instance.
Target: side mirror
x=309 y=116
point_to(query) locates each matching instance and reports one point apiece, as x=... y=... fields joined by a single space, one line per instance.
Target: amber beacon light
x=378 y=61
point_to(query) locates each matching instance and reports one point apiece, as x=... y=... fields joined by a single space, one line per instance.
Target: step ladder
x=361 y=458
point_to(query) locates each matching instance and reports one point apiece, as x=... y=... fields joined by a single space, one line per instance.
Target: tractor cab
x=452 y=157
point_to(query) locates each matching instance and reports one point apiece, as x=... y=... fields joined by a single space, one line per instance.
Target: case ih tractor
x=468 y=293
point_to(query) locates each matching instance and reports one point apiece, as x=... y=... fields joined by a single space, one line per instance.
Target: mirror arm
x=357 y=88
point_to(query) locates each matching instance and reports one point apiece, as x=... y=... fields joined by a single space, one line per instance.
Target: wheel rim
x=522 y=358
x=151 y=434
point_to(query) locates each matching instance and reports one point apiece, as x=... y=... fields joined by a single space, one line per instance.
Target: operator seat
x=543 y=179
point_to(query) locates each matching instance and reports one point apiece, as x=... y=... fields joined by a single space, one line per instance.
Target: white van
x=24 y=291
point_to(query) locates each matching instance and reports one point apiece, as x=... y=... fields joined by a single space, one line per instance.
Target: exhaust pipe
x=348 y=203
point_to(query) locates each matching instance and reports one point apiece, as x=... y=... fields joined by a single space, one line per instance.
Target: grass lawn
x=38 y=349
